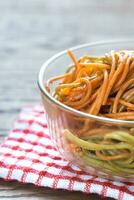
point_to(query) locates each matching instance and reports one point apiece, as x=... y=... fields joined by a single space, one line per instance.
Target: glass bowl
x=65 y=123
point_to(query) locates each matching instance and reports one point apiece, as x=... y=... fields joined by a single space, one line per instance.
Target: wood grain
x=30 y=32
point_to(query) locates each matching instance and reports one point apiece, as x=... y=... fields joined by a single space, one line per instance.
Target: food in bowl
x=103 y=88
x=99 y=85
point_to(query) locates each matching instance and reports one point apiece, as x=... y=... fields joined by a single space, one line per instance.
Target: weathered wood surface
x=30 y=32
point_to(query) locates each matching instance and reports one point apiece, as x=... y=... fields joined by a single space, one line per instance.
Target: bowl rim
x=67 y=108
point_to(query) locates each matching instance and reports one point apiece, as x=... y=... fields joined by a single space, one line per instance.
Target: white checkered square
x=17 y=174
x=3 y=172
x=31 y=177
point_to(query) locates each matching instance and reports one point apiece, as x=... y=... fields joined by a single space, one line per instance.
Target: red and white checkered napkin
x=28 y=155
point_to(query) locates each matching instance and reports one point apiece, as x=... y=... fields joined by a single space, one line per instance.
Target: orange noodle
x=101 y=86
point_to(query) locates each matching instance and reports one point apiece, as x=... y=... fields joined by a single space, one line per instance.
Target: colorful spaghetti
x=102 y=86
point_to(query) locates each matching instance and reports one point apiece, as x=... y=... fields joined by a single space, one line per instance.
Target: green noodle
x=120 y=140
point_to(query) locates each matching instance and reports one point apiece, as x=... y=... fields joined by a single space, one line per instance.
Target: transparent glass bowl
x=62 y=119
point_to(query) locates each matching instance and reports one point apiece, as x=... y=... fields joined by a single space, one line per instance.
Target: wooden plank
x=2 y=137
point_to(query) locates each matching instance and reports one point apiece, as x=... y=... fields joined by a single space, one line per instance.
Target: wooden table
x=30 y=32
